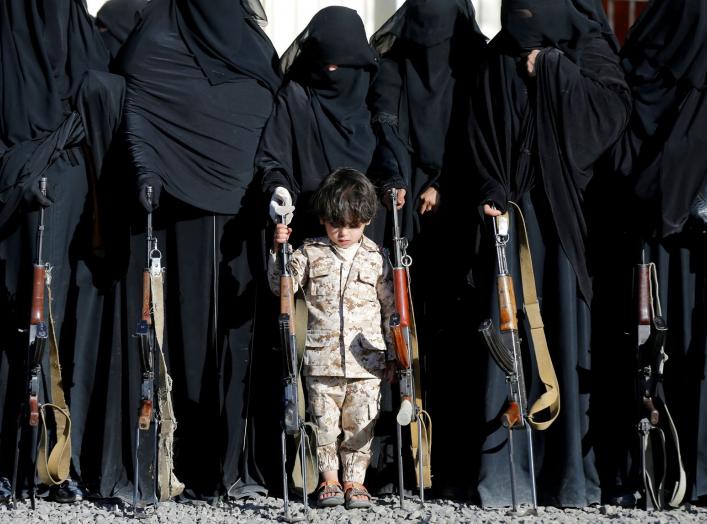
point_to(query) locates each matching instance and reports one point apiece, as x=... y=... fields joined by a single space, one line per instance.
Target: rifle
x=651 y=331
x=145 y=333
x=292 y=423
x=38 y=335
x=506 y=351
x=401 y=326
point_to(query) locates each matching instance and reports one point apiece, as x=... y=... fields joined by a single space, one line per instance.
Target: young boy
x=347 y=285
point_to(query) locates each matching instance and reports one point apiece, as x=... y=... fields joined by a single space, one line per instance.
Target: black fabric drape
x=116 y=19
x=176 y=130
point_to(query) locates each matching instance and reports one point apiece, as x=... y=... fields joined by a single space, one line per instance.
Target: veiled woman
x=431 y=50
x=321 y=120
x=663 y=160
x=551 y=100
x=59 y=109
x=201 y=77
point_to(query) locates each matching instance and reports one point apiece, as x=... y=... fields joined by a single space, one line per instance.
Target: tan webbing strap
x=301 y=316
x=168 y=485
x=54 y=467
x=424 y=449
x=550 y=400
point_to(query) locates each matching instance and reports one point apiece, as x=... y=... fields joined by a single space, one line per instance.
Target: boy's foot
x=330 y=494
x=356 y=496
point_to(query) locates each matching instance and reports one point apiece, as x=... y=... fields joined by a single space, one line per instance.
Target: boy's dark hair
x=345 y=198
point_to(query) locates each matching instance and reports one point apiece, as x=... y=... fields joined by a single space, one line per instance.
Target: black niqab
x=336 y=36
x=226 y=40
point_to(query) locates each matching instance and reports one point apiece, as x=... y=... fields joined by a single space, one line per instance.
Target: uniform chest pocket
x=365 y=284
x=323 y=279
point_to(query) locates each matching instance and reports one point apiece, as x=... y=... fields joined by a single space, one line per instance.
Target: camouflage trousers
x=349 y=406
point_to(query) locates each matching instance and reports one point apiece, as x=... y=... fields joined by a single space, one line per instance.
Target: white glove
x=281 y=206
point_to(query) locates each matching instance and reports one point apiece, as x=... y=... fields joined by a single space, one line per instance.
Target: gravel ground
x=386 y=511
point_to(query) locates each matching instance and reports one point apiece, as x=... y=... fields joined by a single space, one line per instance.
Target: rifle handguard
x=38 y=280
x=400 y=284
x=643 y=288
x=507 y=303
x=146 y=295
x=33 y=410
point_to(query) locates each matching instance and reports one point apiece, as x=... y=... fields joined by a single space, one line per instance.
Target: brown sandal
x=356 y=490
x=330 y=494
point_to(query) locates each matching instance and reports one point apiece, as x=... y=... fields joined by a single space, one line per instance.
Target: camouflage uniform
x=347 y=346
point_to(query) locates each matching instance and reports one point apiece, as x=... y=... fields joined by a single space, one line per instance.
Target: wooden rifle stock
x=512 y=416
x=33 y=410
x=37 y=314
x=287 y=300
x=145 y=416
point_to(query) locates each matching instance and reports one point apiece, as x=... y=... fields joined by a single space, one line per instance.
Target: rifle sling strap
x=53 y=466
x=168 y=485
x=549 y=400
x=420 y=450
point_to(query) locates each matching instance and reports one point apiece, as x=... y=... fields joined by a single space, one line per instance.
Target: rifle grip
x=400 y=283
x=38 y=279
x=146 y=295
x=33 y=410
x=643 y=288
x=512 y=416
x=507 y=303
x=145 y=415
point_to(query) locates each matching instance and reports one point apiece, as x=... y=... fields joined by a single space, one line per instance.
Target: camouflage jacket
x=348 y=332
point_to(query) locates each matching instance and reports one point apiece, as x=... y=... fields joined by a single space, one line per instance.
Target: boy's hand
x=282 y=234
x=391 y=367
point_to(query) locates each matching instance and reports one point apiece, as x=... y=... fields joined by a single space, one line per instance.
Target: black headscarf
x=197 y=136
x=336 y=36
x=116 y=19
x=434 y=44
x=564 y=24
x=226 y=40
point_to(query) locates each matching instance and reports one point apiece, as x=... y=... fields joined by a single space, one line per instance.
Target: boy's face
x=344 y=236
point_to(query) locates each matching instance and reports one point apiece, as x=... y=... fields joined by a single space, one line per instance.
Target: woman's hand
x=530 y=62
x=429 y=200
x=491 y=211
